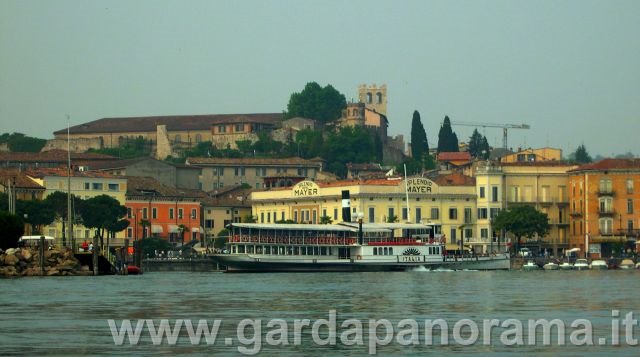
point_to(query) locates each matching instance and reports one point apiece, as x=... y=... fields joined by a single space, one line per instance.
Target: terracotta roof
x=51 y=156
x=610 y=164
x=148 y=186
x=173 y=122
x=553 y=163
x=455 y=179
x=290 y=161
x=62 y=172
x=454 y=156
x=21 y=179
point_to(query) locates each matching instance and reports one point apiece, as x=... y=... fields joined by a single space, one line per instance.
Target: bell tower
x=374 y=97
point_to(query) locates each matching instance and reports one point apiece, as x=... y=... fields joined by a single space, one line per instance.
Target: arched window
x=369 y=97
x=177 y=138
x=379 y=97
x=355 y=112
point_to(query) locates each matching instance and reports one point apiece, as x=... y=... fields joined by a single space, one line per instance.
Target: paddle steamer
x=254 y=247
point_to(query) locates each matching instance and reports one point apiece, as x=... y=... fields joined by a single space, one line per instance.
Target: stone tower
x=353 y=115
x=374 y=97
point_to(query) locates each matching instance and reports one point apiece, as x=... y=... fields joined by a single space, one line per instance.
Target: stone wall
x=163 y=147
x=26 y=262
x=76 y=145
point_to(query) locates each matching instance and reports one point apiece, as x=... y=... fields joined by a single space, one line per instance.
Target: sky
x=569 y=69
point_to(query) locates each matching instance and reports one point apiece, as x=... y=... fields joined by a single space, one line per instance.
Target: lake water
x=69 y=315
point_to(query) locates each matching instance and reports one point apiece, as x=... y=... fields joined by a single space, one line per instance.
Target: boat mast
x=406 y=192
x=69 y=220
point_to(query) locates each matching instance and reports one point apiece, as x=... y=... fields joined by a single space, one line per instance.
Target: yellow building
x=533 y=155
x=83 y=185
x=542 y=185
x=445 y=202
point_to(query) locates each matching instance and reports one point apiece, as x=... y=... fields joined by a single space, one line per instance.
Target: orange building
x=604 y=200
x=155 y=210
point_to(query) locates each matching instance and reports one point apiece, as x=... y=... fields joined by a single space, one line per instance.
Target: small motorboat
x=599 y=264
x=581 y=264
x=551 y=266
x=133 y=270
x=637 y=265
x=626 y=264
x=530 y=265
x=566 y=266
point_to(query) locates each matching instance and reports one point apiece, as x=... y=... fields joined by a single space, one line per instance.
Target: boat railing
x=238 y=238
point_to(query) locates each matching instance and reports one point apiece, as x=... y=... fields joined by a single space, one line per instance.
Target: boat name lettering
x=411 y=258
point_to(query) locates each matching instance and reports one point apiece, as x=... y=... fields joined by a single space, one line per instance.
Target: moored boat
x=581 y=264
x=566 y=266
x=551 y=266
x=626 y=264
x=530 y=265
x=599 y=264
x=133 y=270
x=257 y=247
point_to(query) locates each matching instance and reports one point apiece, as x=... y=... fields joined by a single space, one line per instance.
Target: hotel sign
x=306 y=188
x=420 y=185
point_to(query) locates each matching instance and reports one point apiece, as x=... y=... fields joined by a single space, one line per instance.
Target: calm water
x=68 y=315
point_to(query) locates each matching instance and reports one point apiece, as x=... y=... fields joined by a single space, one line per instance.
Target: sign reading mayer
x=306 y=188
x=419 y=185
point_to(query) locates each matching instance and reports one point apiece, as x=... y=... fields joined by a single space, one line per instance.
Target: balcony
x=606 y=212
x=576 y=214
x=605 y=193
x=545 y=202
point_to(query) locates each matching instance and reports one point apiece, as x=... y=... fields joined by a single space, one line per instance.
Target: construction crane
x=493 y=125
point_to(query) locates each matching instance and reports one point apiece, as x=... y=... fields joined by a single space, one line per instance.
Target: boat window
x=241 y=249
x=303 y=250
x=296 y=251
x=267 y=250
x=375 y=251
x=233 y=249
x=386 y=250
x=330 y=251
x=323 y=250
x=315 y=251
x=391 y=251
x=281 y=250
x=250 y=249
x=289 y=250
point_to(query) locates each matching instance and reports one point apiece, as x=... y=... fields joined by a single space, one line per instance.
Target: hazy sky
x=570 y=69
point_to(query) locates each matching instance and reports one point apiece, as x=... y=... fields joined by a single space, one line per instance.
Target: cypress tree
x=447 y=139
x=419 y=143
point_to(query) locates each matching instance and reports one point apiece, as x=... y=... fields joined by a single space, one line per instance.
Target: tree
x=447 y=139
x=315 y=102
x=102 y=213
x=58 y=203
x=522 y=221
x=326 y=220
x=348 y=145
x=36 y=213
x=150 y=245
x=308 y=143
x=145 y=224
x=581 y=155
x=420 y=144
x=478 y=145
x=182 y=229
x=392 y=219
x=12 y=229
x=221 y=239
x=19 y=142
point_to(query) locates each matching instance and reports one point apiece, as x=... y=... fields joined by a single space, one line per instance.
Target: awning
x=173 y=228
x=195 y=229
x=155 y=228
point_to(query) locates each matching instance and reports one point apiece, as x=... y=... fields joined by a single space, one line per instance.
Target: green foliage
x=58 y=203
x=102 y=213
x=414 y=167
x=284 y=221
x=478 y=145
x=150 y=245
x=421 y=158
x=4 y=201
x=221 y=238
x=326 y=220
x=581 y=155
x=522 y=221
x=348 y=145
x=19 y=142
x=392 y=219
x=447 y=139
x=266 y=145
x=37 y=213
x=314 y=102
x=12 y=230
x=250 y=219
x=308 y=144
x=131 y=148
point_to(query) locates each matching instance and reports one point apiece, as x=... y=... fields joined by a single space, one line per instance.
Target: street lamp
x=26 y=220
x=359 y=217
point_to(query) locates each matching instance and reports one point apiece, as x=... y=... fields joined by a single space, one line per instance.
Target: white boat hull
x=249 y=263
